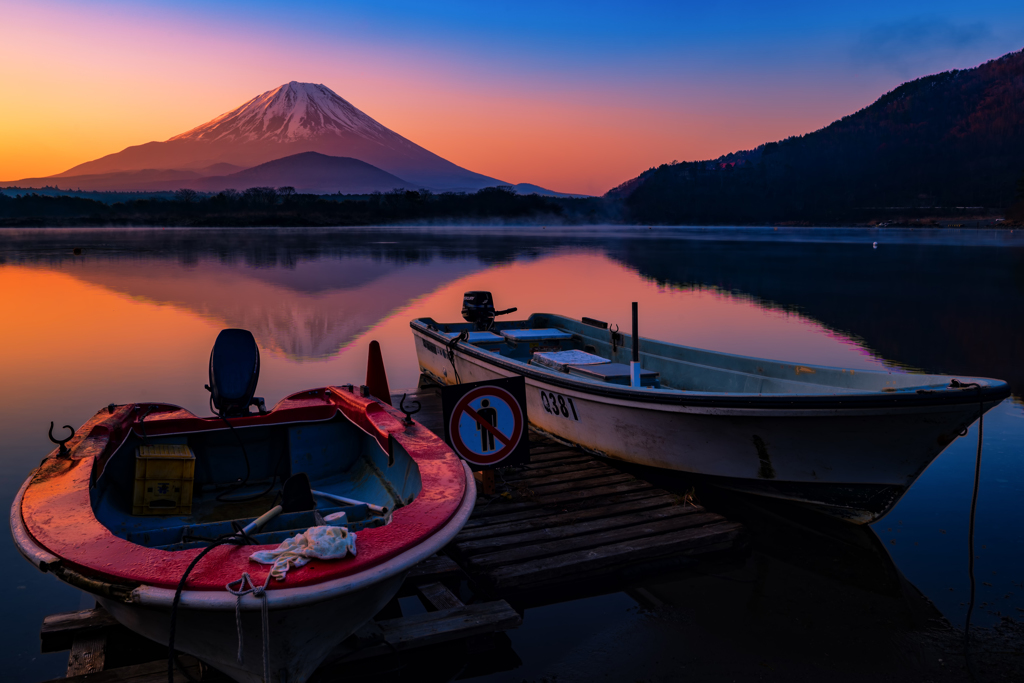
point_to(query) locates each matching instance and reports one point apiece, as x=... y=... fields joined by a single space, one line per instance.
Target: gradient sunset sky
x=574 y=96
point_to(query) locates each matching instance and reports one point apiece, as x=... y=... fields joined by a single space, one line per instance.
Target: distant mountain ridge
x=288 y=120
x=307 y=173
x=954 y=139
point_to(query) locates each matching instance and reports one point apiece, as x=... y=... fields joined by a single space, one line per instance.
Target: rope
x=450 y=345
x=228 y=539
x=970 y=531
x=258 y=592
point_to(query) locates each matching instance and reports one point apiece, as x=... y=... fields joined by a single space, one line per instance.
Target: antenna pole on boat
x=634 y=367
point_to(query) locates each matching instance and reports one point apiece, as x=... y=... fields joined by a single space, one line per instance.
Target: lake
x=133 y=317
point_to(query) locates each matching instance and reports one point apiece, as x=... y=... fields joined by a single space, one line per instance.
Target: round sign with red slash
x=486 y=425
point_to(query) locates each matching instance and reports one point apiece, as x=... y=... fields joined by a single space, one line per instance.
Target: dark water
x=133 y=317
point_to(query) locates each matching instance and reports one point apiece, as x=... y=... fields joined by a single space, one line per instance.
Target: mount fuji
x=291 y=119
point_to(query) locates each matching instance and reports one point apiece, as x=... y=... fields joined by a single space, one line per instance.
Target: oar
x=351 y=501
x=258 y=523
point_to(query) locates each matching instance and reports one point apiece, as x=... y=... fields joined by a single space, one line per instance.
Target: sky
x=573 y=96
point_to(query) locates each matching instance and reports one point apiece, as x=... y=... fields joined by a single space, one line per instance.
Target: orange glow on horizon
x=93 y=84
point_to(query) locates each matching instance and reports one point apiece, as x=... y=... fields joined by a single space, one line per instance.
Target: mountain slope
x=308 y=173
x=955 y=139
x=291 y=119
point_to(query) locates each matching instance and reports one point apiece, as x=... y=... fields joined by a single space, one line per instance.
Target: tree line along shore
x=283 y=207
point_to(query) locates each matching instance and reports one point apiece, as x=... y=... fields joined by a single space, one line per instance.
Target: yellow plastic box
x=163 y=479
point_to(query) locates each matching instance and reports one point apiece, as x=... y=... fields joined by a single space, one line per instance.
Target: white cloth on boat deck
x=318 y=542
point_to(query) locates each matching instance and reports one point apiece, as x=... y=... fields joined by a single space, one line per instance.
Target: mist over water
x=133 y=318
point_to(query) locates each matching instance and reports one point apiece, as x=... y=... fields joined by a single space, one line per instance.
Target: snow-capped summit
x=289 y=120
x=294 y=111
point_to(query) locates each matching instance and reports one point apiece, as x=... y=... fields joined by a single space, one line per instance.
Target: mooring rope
x=970 y=530
x=462 y=336
x=239 y=537
x=261 y=593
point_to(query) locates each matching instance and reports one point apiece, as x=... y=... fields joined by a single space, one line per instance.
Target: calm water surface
x=134 y=316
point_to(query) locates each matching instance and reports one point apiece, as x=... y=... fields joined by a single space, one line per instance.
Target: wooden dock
x=569 y=518
x=103 y=651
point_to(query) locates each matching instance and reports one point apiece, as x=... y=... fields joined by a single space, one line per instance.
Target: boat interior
x=591 y=351
x=338 y=458
x=179 y=491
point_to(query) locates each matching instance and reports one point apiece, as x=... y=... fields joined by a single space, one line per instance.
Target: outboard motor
x=234 y=373
x=478 y=308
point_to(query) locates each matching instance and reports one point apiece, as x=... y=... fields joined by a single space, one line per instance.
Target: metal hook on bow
x=64 y=452
x=615 y=337
x=408 y=413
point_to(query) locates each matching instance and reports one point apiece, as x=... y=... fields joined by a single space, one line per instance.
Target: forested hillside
x=955 y=139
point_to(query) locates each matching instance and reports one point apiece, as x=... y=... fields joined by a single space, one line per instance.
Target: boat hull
x=851 y=462
x=55 y=526
x=300 y=637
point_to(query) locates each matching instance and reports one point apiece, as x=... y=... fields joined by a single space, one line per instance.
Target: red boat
x=82 y=515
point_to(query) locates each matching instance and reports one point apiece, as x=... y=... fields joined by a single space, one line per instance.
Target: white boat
x=845 y=442
x=83 y=516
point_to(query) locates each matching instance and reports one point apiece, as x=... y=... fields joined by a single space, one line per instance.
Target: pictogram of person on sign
x=486 y=436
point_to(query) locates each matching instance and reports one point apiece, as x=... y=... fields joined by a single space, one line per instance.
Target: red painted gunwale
x=59 y=516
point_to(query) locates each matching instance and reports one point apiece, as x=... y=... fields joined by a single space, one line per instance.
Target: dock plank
x=569 y=478
x=498 y=515
x=438 y=596
x=527 y=474
x=59 y=630
x=593 y=494
x=566 y=453
x=435 y=568
x=150 y=672
x=88 y=653
x=556 y=518
x=551 y=532
x=584 y=563
x=406 y=633
x=591 y=540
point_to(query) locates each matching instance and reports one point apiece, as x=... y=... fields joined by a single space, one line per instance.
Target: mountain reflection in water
x=134 y=317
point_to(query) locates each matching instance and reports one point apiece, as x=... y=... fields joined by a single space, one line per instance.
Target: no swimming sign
x=486 y=422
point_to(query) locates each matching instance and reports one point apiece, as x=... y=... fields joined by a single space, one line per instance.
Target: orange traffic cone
x=376 y=377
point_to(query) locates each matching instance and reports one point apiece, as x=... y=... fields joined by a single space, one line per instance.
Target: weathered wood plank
x=584 y=482
x=431 y=628
x=593 y=495
x=534 y=511
x=582 y=563
x=564 y=493
x=88 y=653
x=595 y=539
x=551 y=532
x=59 y=630
x=526 y=474
x=438 y=596
x=555 y=519
x=150 y=672
x=565 y=477
x=553 y=456
x=427 y=629
x=434 y=568
x=500 y=507
x=547 y=449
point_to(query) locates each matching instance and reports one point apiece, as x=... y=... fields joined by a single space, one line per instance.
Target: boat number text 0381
x=559 y=405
